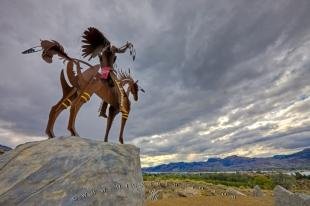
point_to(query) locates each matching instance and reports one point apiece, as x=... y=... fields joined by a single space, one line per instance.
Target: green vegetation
x=247 y=180
x=285 y=181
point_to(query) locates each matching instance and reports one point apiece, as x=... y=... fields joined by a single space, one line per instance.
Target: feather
x=94 y=41
x=31 y=50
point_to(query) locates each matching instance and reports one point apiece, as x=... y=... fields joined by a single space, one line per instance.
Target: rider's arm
x=121 y=49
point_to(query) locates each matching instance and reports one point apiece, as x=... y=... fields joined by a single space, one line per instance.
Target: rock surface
x=4 y=149
x=232 y=191
x=71 y=171
x=187 y=192
x=284 y=197
x=257 y=192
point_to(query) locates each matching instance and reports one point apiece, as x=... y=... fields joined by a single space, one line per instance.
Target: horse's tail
x=51 y=48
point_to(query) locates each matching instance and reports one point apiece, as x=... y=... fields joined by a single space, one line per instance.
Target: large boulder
x=284 y=197
x=71 y=171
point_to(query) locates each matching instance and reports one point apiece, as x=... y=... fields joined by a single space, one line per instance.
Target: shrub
x=284 y=180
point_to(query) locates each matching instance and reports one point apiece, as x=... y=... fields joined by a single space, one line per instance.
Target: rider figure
x=107 y=59
x=96 y=44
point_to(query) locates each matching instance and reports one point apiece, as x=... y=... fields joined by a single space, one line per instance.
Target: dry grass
x=185 y=193
x=193 y=192
x=214 y=201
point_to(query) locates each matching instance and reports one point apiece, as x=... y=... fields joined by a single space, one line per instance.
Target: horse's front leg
x=124 y=119
x=112 y=114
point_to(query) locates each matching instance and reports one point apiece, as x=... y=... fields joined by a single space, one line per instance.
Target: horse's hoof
x=50 y=134
x=73 y=132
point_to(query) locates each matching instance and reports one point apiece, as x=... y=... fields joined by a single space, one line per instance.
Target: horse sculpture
x=84 y=85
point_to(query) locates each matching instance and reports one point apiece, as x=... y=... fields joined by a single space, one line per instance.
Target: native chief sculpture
x=101 y=79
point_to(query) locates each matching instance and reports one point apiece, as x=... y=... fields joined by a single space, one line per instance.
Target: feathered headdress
x=94 y=41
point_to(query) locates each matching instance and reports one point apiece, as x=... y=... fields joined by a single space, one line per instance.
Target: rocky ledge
x=71 y=171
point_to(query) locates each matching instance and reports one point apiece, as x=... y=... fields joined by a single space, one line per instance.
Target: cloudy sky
x=221 y=77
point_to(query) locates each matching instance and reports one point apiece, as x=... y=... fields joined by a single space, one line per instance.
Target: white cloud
x=11 y=138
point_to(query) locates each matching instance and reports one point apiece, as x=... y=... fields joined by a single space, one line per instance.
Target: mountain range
x=299 y=160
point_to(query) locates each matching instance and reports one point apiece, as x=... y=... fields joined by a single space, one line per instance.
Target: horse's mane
x=123 y=75
x=51 y=48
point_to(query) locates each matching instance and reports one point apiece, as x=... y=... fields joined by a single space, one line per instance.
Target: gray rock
x=71 y=171
x=257 y=192
x=232 y=191
x=4 y=149
x=284 y=197
x=188 y=192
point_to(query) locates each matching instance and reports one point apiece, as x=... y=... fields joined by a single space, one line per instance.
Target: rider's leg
x=103 y=108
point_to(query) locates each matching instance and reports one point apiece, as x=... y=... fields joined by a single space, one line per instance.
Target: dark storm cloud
x=200 y=62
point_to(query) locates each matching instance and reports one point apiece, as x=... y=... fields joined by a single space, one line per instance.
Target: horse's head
x=133 y=86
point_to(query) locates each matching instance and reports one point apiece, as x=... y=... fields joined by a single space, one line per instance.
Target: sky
x=221 y=77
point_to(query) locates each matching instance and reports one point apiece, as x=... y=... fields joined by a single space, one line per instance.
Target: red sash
x=105 y=72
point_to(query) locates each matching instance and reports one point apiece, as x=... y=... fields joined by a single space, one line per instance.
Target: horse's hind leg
x=68 y=93
x=75 y=107
x=51 y=119
x=64 y=103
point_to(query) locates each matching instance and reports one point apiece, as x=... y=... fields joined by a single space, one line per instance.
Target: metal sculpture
x=100 y=79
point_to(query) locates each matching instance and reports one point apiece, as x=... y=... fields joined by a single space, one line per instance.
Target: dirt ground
x=213 y=201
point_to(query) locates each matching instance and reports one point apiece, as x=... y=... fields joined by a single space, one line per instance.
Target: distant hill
x=4 y=149
x=299 y=160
